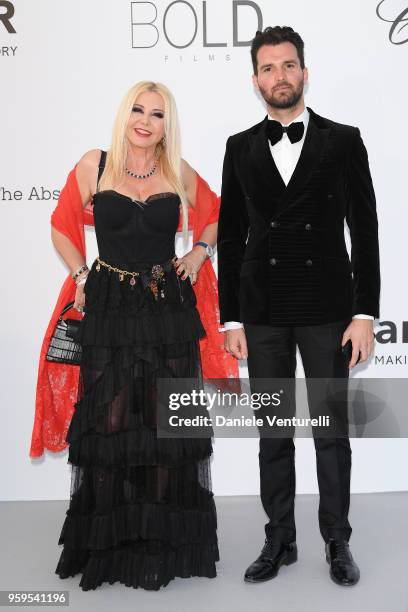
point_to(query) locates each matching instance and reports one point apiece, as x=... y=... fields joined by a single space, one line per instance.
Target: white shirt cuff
x=236 y=325
x=231 y=325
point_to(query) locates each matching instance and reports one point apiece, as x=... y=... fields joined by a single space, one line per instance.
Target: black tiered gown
x=141 y=510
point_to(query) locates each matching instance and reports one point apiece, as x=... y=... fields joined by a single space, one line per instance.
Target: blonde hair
x=169 y=154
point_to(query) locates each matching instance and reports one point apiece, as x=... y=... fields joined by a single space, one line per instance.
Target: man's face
x=280 y=78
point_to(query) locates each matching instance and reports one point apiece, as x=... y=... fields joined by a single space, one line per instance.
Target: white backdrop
x=63 y=73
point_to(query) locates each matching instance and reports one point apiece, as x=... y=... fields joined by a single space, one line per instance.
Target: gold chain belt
x=157 y=273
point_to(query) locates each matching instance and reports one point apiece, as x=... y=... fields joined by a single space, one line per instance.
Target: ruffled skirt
x=141 y=508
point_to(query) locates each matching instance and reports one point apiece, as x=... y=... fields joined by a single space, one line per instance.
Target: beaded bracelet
x=82 y=269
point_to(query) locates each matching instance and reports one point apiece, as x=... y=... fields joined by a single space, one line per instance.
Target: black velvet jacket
x=282 y=257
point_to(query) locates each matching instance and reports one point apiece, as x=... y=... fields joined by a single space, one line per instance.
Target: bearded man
x=286 y=281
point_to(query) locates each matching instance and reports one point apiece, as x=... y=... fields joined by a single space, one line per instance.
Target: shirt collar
x=304 y=116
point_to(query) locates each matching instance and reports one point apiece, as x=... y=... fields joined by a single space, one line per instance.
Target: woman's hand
x=190 y=263
x=79 y=298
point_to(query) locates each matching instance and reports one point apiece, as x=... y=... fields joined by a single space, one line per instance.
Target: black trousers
x=272 y=354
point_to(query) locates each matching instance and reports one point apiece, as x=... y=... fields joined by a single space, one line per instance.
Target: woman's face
x=146 y=123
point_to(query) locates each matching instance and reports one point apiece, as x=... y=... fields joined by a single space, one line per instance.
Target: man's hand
x=235 y=343
x=361 y=334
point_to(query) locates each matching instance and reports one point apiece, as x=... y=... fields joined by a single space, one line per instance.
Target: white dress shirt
x=286 y=156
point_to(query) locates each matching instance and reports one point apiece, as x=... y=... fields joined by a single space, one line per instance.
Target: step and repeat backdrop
x=64 y=68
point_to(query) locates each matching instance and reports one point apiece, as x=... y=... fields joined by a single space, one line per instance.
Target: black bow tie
x=275 y=131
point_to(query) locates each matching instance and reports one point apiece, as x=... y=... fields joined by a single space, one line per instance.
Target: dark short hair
x=276 y=36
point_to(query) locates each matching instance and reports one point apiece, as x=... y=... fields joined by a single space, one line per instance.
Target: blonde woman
x=141 y=510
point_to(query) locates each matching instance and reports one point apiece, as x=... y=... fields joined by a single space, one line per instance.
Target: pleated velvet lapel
x=268 y=181
x=270 y=191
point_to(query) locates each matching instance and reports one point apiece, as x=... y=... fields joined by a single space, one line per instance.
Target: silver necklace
x=142 y=176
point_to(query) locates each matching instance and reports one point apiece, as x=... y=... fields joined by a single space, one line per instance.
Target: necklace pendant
x=121 y=277
x=132 y=281
x=98 y=266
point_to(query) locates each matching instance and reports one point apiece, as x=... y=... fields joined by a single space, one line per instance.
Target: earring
x=164 y=141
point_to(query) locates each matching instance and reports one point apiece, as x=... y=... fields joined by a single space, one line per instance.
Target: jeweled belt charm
x=153 y=288
x=118 y=271
x=156 y=273
x=158 y=280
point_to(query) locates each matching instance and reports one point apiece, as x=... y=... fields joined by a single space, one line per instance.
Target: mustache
x=282 y=85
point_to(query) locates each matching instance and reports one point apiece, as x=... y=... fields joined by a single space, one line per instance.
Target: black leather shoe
x=272 y=556
x=343 y=568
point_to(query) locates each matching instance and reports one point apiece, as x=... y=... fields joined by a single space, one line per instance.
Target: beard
x=289 y=100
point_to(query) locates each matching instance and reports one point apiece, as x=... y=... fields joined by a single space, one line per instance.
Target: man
x=285 y=279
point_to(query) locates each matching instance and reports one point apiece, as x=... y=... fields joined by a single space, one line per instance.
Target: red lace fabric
x=57 y=384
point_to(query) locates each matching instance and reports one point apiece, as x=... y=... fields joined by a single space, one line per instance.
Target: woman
x=141 y=509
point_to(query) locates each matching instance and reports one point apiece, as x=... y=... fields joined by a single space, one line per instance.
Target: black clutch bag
x=62 y=347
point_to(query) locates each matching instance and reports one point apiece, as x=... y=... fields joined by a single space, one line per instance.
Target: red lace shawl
x=57 y=383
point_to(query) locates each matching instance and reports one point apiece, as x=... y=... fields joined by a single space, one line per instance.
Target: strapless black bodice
x=131 y=231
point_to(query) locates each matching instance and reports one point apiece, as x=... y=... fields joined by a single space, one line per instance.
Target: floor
x=29 y=553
